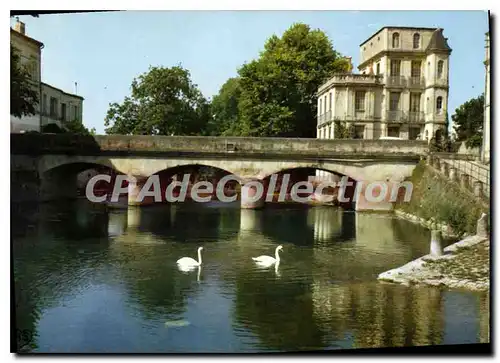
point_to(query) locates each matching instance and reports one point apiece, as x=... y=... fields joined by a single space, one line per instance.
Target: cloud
x=373 y=25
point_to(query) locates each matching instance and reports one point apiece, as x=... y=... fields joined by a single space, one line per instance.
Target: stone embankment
x=464 y=264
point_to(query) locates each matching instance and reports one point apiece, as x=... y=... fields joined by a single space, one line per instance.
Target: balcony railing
x=440 y=82
x=396 y=81
x=327 y=116
x=358 y=116
x=416 y=116
x=416 y=82
x=396 y=116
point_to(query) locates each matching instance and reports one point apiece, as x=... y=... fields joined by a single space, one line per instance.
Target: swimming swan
x=268 y=260
x=188 y=262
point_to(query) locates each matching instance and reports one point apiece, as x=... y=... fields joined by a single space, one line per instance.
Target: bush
x=446 y=202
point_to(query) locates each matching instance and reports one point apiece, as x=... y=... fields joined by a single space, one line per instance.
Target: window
x=414 y=132
x=320 y=106
x=414 y=102
x=324 y=106
x=44 y=104
x=53 y=107
x=75 y=113
x=63 y=111
x=330 y=102
x=393 y=131
x=416 y=41
x=394 y=101
x=395 y=40
x=378 y=68
x=440 y=69
x=395 y=67
x=359 y=101
x=359 y=132
x=415 y=69
x=428 y=69
x=439 y=104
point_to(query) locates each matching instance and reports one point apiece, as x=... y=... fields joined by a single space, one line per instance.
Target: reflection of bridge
x=57 y=159
x=322 y=225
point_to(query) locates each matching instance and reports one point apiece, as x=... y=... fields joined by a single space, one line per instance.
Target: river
x=89 y=279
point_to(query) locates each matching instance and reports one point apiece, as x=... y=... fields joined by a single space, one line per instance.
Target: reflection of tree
x=380 y=315
x=276 y=224
x=48 y=262
x=147 y=268
x=278 y=311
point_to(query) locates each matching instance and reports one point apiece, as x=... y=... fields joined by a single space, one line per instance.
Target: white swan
x=268 y=260
x=188 y=262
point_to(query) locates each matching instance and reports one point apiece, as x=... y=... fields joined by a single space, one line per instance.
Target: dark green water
x=91 y=280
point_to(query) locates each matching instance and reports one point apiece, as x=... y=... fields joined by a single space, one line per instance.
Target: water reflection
x=90 y=279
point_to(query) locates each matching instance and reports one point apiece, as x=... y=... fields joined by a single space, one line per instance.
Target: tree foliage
x=342 y=130
x=163 y=101
x=468 y=122
x=224 y=109
x=276 y=93
x=72 y=127
x=23 y=95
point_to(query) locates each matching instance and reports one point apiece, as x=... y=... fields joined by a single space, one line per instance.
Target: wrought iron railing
x=416 y=82
x=396 y=116
x=416 y=116
x=396 y=81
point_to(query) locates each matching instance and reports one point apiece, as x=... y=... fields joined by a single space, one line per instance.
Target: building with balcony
x=401 y=90
x=55 y=105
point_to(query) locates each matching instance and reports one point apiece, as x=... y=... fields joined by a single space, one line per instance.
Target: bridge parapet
x=39 y=144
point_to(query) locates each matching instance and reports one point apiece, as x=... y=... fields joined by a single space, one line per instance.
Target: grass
x=445 y=201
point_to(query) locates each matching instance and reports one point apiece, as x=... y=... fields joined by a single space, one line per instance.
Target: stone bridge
x=57 y=159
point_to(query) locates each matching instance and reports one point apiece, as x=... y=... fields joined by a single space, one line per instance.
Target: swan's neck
x=277 y=255
x=199 y=257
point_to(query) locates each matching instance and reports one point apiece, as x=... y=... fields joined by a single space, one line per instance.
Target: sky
x=104 y=52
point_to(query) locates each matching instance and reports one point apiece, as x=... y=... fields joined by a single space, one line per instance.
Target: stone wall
x=36 y=144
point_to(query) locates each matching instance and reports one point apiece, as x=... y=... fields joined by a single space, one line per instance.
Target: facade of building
x=485 y=152
x=30 y=53
x=401 y=90
x=59 y=107
x=55 y=105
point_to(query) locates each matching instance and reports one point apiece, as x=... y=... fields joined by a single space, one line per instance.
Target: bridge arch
x=66 y=180
x=310 y=173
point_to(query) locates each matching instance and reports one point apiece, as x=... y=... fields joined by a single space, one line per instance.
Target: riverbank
x=446 y=230
x=463 y=265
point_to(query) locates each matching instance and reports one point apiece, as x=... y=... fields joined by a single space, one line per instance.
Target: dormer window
x=395 y=40
x=416 y=41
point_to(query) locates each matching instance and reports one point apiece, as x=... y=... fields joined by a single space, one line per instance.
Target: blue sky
x=103 y=52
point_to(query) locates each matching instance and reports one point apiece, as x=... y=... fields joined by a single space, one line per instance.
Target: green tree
x=224 y=109
x=163 y=101
x=23 y=95
x=278 y=90
x=72 y=127
x=468 y=122
x=77 y=127
x=342 y=130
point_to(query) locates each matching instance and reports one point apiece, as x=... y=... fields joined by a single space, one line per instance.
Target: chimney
x=20 y=27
